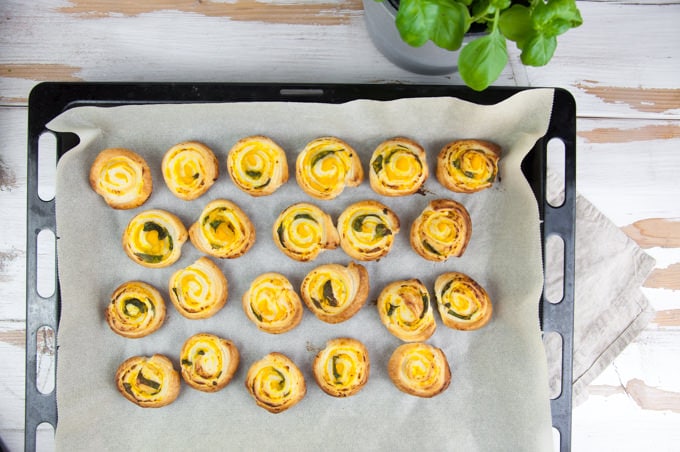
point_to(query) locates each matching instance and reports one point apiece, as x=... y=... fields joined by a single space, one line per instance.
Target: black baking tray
x=47 y=100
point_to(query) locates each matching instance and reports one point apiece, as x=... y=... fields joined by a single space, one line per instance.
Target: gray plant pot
x=427 y=59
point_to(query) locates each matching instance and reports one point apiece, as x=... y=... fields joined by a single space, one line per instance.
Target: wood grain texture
x=666 y=278
x=649 y=132
x=645 y=100
x=650 y=232
x=668 y=318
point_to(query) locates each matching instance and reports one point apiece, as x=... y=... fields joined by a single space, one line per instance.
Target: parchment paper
x=498 y=398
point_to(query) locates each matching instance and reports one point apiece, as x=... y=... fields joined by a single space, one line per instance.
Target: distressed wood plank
x=663 y=232
x=668 y=318
x=665 y=278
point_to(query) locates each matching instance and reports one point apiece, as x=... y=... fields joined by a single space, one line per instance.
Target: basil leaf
x=381 y=231
x=328 y=294
x=377 y=164
x=538 y=50
x=304 y=216
x=444 y=22
x=137 y=303
x=515 y=24
x=555 y=17
x=482 y=60
x=254 y=174
x=142 y=380
x=322 y=155
x=150 y=258
x=151 y=226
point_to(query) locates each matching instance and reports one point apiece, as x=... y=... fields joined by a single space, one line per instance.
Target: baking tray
x=47 y=100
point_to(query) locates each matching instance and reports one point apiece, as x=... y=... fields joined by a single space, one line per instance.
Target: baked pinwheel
x=442 y=230
x=208 y=362
x=419 y=369
x=326 y=166
x=367 y=230
x=398 y=167
x=149 y=382
x=154 y=238
x=463 y=304
x=190 y=169
x=199 y=290
x=136 y=310
x=404 y=309
x=272 y=304
x=257 y=165
x=335 y=293
x=223 y=230
x=468 y=166
x=341 y=369
x=275 y=382
x=122 y=177
x=303 y=230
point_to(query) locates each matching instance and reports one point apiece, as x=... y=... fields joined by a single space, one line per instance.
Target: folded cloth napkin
x=610 y=310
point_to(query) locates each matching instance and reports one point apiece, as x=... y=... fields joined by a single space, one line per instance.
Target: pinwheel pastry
x=257 y=165
x=275 y=382
x=341 y=369
x=190 y=169
x=199 y=290
x=468 y=166
x=463 y=304
x=419 y=369
x=335 y=293
x=325 y=166
x=303 y=230
x=136 y=309
x=272 y=304
x=442 y=230
x=149 y=382
x=367 y=230
x=208 y=362
x=223 y=230
x=122 y=177
x=154 y=238
x=404 y=309
x=398 y=167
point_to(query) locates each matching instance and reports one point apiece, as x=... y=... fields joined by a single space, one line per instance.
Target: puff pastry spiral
x=442 y=230
x=189 y=169
x=463 y=304
x=398 y=167
x=405 y=310
x=122 y=177
x=367 y=230
x=208 y=362
x=302 y=231
x=272 y=304
x=149 y=382
x=257 y=165
x=136 y=309
x=275 y=382
x=199 y=290
x=468 y=166
x=335 y=293
x=223 y=230
x=419 y=369
x=342 y=368
x=154 y=238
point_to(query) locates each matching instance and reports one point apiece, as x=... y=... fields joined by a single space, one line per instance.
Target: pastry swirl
x=419 y=369
x=149 y=382
x=463 y=304
x=367 y=230
x=468 y=166
x=342 y=368
x=398 y=167
x=154 y=238
x=122 y=177
x=223 y=230
x=326 y=166
x=275 y=382
x=335 y=293
x=303 y=230
x=136 y=310
x=190 y=169
x=405 y=310
x=272 y=304
x=208 y=362
x=199 y=290
x=442 y=230
x=257 y=165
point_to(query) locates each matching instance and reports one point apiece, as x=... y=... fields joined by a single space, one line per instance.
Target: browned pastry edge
x=100 y=161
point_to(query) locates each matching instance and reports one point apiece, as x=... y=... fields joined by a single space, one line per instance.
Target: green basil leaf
x=538 y=50
x=556 y=17
x=482 y=60
x=444 y=22
x=515 y=24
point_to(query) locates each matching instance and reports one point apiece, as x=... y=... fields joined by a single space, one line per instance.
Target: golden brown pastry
x=303 y=230
x=257 y=165
x=149 y=382
x=136 y=309
x=190 y=169
x=405 y=310
x=468 y=166
x=223 y=230
x=275 y=382
x=154 y=238
x=326 y=166
x=122 y=177
x=341 y=369
x=335 y=293
x=463 y=304
x=272 y=304
x=419 y=369
x=199 y=290
x=442 y=230
x=398 y=167
x=367 y=230
x=208 y=362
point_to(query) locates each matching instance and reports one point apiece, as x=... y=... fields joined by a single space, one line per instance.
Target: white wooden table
x=622 y=66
